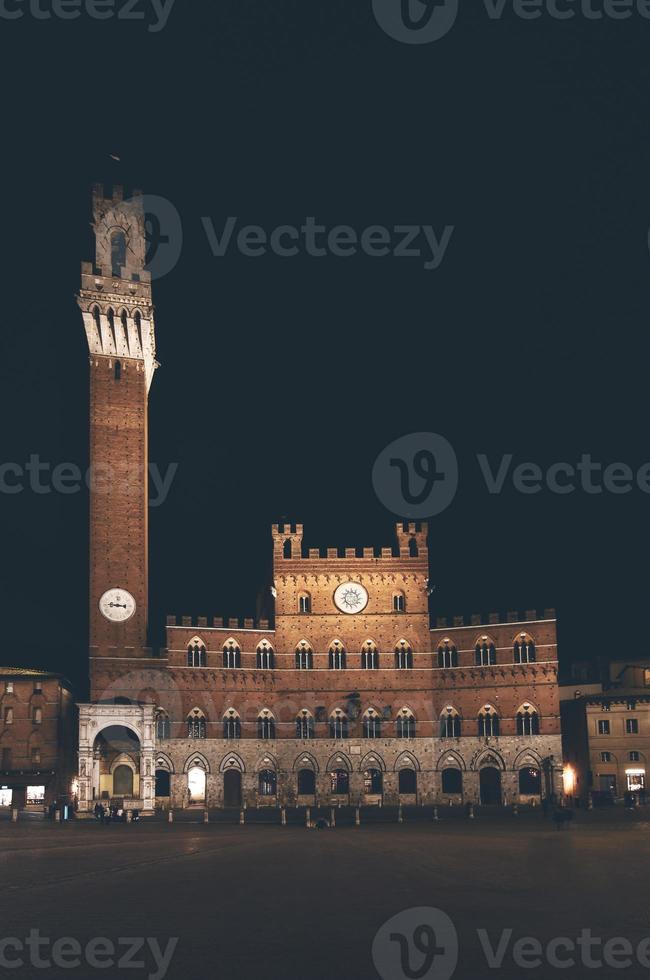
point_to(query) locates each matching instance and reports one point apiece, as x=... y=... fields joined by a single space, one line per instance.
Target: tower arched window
x=304 y=603
x=447 y=654
x=399 y=602
x=138 y=326
x=265 y=724
x=369 y=656
x=371 y=724
x=231 y=654
x=304 y=656
x=413 y=548
x=97 y=321
x=338 y=724
x=118 y=252
x=450 y=724
x=231 y=724
x=485 y=654
x=403 y=656
x=118 y=370
x=286 y=548
x=304 y=724
x=110 y=316
x=337 y=656
x=527 y=720
x=524 y=649
x=265 y=657
x=405 y=724
x=163 y=725
x=488 y=722
x=196 y=654
x=196 y=724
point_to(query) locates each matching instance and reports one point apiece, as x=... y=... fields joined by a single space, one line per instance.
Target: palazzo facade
x=346 y=695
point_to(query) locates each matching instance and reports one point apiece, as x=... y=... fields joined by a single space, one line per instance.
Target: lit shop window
x=35 y=794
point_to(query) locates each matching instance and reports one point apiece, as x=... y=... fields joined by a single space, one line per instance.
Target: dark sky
x=283 y=379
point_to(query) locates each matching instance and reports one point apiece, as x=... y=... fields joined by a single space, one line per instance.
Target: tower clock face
x=118 y=605
x=350 y=597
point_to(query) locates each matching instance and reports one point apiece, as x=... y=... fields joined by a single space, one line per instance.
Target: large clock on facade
x=118 y=605
x=350 y=597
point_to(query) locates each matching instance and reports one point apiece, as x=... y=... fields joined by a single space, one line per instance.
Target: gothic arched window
x=338 y=724
x=450 y=725
x=265 y=724
x=403 y=656
x=196 y=655
x=371 y=724
x=524 y=649
x=405 y=724
x=265 y=658
x=527 y=720
x=118 y=253
x=399 y=602
x=337 y=656
x=485 y=654
x=304 y=724
x=369 y=656
x=268 y=782
x=231 y=654
x=304 y=656
x=488 y=722
x=304 y=602
x=163 y=725
x=231 y=724
x=447 y=654
x=196 y=724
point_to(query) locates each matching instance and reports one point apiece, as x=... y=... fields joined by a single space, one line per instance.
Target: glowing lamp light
x=569 y=780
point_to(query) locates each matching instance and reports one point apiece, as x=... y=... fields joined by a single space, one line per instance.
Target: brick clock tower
x=115 y=301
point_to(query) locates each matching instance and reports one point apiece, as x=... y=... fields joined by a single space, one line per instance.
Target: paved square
x=286 y=902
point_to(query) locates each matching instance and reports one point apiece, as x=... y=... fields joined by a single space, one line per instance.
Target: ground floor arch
x=232 y=788
x=490 y=786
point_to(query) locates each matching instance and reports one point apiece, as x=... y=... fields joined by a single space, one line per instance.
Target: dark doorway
x=490 y=782
x=530 y=781
x=407 y=781
x=306 y=782
x=123 y=781
x=163 y=783
x=452 y=781
x=232 y=788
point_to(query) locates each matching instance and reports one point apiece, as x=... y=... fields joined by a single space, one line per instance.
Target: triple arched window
x=196 y=724
x=527 y=720
x=488 y=722
x=485 y=654
x=403 y=656
x=338 y=724
x=196 y=655
x=163 y=725
x=265 y=724
x=369 y=656
x=524 y=649
x=304 y=656
x=231 y=724
x=450 y=724
x=337 y=656
x=265 y=657
x=304 y=724
x=405 y=724
x=371 y=724
x=231 y=654
x=447 y=654
x=399 y=602
x=304 y=603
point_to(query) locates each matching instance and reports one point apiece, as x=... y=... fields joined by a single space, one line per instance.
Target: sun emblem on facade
x=351 y=597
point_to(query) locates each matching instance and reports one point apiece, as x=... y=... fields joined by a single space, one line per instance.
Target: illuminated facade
x=346 y=695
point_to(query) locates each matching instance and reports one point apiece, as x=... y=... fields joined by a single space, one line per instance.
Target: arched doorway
x=232 y=787
x=373 y=782
x=123 y=781
x=196 y=786
x=407 y=782
x=490 y=784
x=163 y=783
x=530 y=781
x=306 y=782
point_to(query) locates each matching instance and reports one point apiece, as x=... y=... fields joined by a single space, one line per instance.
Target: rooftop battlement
x=411 y=543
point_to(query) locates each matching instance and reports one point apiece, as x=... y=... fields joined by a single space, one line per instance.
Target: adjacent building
x=37 y=738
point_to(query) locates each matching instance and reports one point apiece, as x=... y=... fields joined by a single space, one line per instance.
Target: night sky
x=282 y=379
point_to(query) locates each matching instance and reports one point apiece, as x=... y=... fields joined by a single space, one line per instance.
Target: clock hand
x=120 y=605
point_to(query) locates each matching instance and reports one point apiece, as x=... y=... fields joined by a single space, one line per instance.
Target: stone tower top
x=115 y=295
